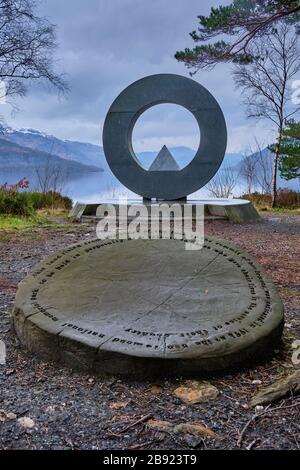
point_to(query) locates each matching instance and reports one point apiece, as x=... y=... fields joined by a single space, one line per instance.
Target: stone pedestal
x=145 y=307
x=235 y=210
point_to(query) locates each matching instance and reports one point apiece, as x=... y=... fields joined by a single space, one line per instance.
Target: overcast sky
x=104 y=45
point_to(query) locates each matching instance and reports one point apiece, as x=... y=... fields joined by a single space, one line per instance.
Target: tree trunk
x=275 y=167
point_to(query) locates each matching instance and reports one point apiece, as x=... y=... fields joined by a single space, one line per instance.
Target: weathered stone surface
x=148 y=306
x=196 y=392
x=125 y=111
x=77 y=211
x=235 y=210
x=164 y=161
x=280 y=389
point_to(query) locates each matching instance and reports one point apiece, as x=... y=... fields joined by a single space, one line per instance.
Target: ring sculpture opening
x=125 y=111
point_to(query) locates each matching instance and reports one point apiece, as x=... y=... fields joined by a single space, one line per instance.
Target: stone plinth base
x=235 y=210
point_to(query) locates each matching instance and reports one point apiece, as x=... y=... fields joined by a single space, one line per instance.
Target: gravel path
x=68 y=409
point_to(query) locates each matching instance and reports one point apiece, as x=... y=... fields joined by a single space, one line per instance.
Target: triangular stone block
x=164 y=161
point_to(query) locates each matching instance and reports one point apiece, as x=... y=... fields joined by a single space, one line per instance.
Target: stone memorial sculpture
x=164 y=180
x=124 y=113
x=143 y=307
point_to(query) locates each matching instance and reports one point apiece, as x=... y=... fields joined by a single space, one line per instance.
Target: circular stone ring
x=125 y=111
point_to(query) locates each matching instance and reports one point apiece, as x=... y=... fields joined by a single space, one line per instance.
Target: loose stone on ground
x=196 y=392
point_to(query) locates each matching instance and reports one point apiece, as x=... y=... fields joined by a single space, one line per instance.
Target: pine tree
x=289 y=160
x=241 y=22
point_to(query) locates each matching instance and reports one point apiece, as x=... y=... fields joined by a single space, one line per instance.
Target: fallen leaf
x=195 y=429
x=117 y=405
x=156 y=389
x=160 y=425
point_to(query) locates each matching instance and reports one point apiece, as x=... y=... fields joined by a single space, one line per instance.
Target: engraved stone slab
x=148 y=306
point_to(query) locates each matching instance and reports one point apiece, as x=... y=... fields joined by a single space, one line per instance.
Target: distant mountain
x=268 y=157
x=26 y=149
x=90 y=154
x=183 y=156
x=19 y=161
x=83 y=153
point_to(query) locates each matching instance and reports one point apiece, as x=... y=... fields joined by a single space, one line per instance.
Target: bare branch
x=27 y=43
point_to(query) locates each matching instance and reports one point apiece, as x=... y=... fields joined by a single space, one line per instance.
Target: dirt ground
x=74 y=410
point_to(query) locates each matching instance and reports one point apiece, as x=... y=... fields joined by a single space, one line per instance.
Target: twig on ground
x=141 y=420
x=259 y=415
x=143 y=444
x=252 y=444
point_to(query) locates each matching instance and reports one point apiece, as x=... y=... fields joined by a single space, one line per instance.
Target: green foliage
x=243 y=20
x=17 y=222
x=289 y=160
x=50 y=200
x=15 y=202
x=25 y=203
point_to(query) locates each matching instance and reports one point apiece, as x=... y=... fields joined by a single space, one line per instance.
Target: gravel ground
x=80 y=411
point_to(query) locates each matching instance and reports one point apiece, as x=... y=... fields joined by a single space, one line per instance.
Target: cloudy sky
x=104 y=45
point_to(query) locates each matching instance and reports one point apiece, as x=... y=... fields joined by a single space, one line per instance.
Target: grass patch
x=18 y=222
x=280 y=210
x=16 y=200
x=57 y=218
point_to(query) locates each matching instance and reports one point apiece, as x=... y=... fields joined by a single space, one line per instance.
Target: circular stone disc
x=125 y=111
x=148 y=306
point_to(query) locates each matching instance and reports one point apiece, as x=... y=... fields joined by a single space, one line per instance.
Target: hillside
x=16 y=158
x=83 y=153
x=90 y=154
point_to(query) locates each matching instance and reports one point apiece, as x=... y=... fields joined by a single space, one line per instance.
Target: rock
x=259 y=409
x=279 y=389
x=6 y=416
x=26 y=422
x=194 y=429
x=196 y=392
x=50 y=409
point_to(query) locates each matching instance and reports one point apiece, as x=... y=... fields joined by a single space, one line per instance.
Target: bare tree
x=223 y=184
x=51 y=177
x=27 y=43
x=248 y=171
x=265 y=83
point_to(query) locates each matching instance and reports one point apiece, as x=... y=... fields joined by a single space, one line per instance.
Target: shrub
x=49 y=200
x=286 y=198
x=289 y=198
x=14 y=201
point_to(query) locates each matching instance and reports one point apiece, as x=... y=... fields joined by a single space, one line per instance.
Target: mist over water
x=102 y=186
